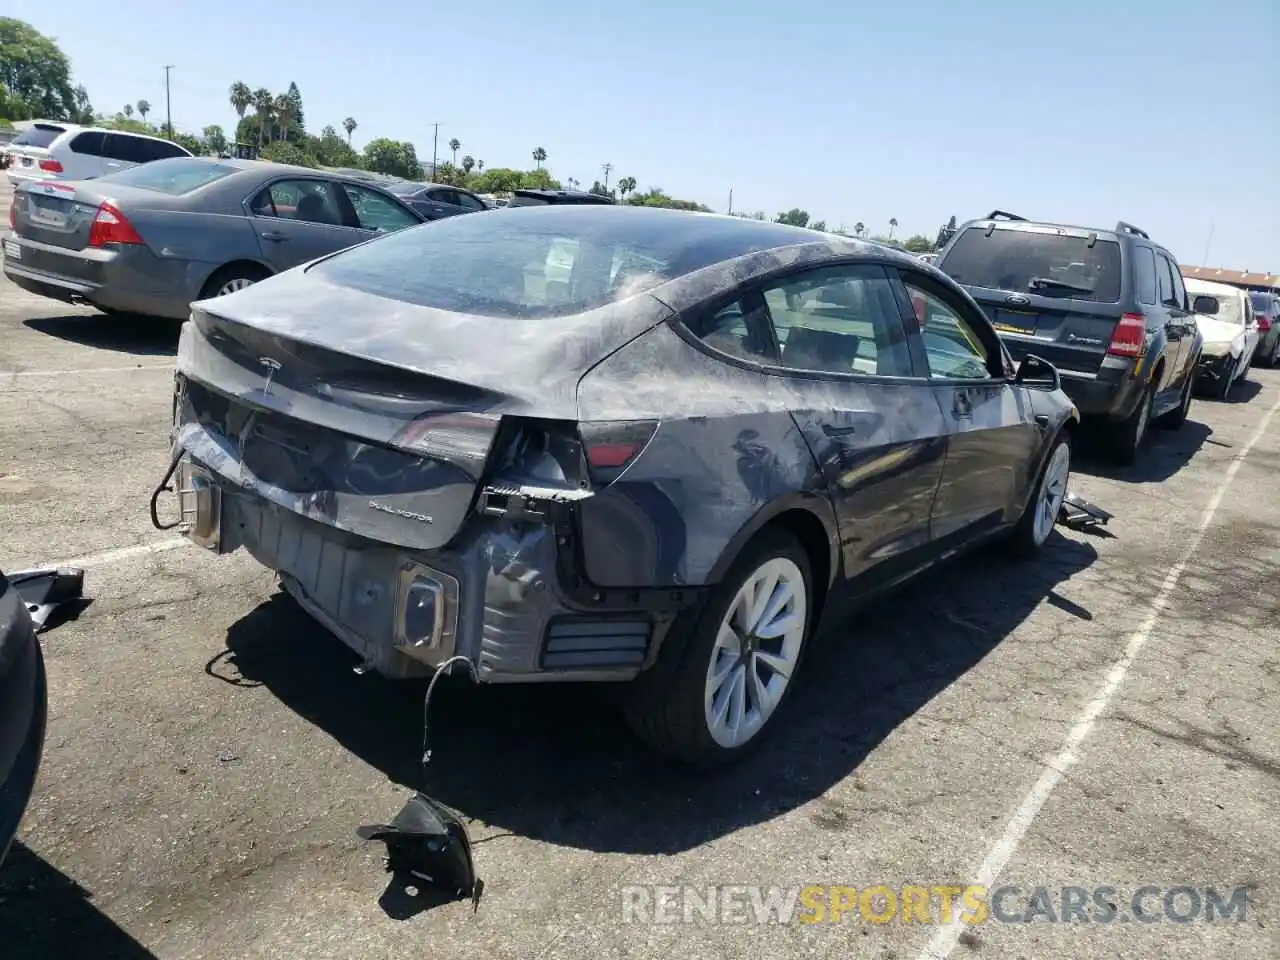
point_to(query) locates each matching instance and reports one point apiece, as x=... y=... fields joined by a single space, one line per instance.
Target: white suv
x=65 y=151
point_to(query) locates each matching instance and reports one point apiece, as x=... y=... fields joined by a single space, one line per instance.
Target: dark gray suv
x=1106 y=307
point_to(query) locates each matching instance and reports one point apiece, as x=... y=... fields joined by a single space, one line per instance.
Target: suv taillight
x=49 y=165
x=1130 y=337
x=1264 y=323
x=110 y=226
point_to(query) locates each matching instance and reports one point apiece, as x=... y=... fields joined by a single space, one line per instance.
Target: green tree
x=144 y=107
x=600 y=190
x=263 y=104
x=35 y=76
x=539 y=156
x=657 y=197
x=454 y=146
x=331 y=150
x=626 y=185
x=83 y=109
x=349 y=125
x=859 y=228
x=918 y=243
x=128 y=111
x=282 y=151
x=215 y=140
x=795 y=217
x=297 y=122
x=819 y=225
x=448 y=173
x=189 y=142
x=397 y=159
x=468 y=164
x=498 y=180
x=282 y=114
x=893 y=225
x=241 y=97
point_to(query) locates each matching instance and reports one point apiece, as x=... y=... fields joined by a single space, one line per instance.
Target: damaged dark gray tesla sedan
x=609 y=443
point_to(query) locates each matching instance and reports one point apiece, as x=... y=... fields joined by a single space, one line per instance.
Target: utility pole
x=606 y=168
x=168 y=112
x=435 y=147
x=731 y=201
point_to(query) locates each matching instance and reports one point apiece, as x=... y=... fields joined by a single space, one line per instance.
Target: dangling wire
x=445 y=667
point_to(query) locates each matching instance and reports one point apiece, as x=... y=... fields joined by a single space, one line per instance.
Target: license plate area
x=1015 y=321
x=46 y=211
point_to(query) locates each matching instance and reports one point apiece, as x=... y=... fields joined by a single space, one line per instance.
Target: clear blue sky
x=1163 y=114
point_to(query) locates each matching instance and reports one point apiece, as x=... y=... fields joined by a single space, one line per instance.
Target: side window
x=444 y=196
x=162 y=150
x=468 y=202
x=1179 y=291
x=953 y=347
x=1166 y=281
x=376 y=212
x=1145 y=267
x=839 y=320
x=89 y=143
x=741 y=331
x=311 y=201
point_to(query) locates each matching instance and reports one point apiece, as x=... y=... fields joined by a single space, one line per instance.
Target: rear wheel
x=736 y=657
x=1178 y=416
x=1045 y=503
x=1127 y=436
x=229 y=279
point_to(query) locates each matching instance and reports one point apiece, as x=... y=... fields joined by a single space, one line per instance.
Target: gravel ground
x=1103 y=717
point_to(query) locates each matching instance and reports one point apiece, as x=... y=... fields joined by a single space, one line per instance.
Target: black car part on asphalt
x=23 y=710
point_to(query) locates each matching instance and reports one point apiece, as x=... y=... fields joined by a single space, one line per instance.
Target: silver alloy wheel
x=756 y=652
x=1053 y=488
x=231 y=286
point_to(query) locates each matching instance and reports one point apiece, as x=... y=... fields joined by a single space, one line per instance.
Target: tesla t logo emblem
x=272 y=366
x=1018 y=299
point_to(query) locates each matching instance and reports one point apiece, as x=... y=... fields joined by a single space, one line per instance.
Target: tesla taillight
x=111 y=226
x=1130 y=337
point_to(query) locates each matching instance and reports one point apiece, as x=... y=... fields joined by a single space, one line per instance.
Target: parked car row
x=68 y=151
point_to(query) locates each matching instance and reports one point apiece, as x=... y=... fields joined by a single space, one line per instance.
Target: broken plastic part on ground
x=44 y=590
x=1078 y=513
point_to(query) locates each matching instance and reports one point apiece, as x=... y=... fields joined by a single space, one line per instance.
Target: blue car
x=23 y=709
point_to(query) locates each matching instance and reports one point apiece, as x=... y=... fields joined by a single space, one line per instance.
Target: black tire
x=1022 y=540
x=665 y=705
x=1125 y=438
x=1177 y=417
x=1224 y=388
x=230 y=273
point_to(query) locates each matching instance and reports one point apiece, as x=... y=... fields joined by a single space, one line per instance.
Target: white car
x=47 y=150
x=1229 y=326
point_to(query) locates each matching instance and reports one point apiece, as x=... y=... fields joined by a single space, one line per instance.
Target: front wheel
x=1228 y=381
x=1045 y=503
x=737 y=657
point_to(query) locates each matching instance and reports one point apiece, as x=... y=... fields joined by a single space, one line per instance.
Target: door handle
x=272 y=235
x=831 y=431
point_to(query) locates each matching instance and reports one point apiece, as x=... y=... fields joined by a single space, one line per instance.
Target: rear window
x=547 y=261
x=1263 y=303
x=174 y=176
x=1047 y=264
x=38 y=135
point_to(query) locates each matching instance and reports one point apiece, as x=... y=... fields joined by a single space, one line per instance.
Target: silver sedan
x=151 y=239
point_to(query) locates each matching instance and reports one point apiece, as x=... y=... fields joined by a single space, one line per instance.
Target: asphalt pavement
x=1102 y=717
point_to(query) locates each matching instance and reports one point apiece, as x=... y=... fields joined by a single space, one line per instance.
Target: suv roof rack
x=1122 y=227
x=1003 y=215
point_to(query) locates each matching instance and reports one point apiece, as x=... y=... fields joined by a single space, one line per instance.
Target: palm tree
x=241 y=97
x=539 y=156
x=349 y=125
x=454 y=144
x=284 y=114
x=626 y=185
x=128 y=109
x=467 y=163
x=893 y=225
x=480 y=165
x=263 y=103
x=859 y=228
x=144 y=108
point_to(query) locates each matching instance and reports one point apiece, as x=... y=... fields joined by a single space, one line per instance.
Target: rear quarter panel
x=726 y=457
x=196 y=243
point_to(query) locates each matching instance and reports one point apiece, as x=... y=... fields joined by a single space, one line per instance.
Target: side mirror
x=1037 y=372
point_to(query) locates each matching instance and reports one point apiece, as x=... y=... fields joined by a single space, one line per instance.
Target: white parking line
x=82 y=372
x=1056 y=767
x=123 y=553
